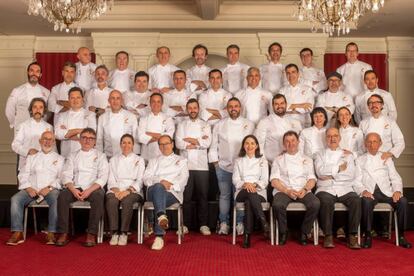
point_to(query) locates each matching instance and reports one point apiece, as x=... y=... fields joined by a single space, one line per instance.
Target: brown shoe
x=62 y=240
x=50 y=238
x=16 y=238
x=353 y=242
x=328 y=241
x=90 y=240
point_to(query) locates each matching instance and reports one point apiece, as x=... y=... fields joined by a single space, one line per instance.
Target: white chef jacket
x=122 y=80
x=353 y=76
x=85 y=75
x=125 y=172
x=255 y=103
x=334 y=99
x=197 y=73
x=234 y=77
x=159 y=123
x=162 y=76
x=228 y=135
x=111 y=127
x=172 y=168
x=85 y=168
x=252 y=170
x=352 y=139
x=269 y=132
x=27 y=137
x=133 y=98
x=59 y=93
x=376 y=171
x=69 y=120
x=97 y=97
x=361 y=107
x=19 y=100
x=391 y=135
x=312 y=140
x=200 y=130
x=310 y=74
x=293 y=170
x=298 y=94
x=327 y=163
x=177 y=98
x=42 y=170
x=273 y=76
x=213 y=100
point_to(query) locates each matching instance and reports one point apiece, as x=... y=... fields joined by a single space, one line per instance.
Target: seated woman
x=312 y=139
x=126 y=171
x=250 y=178
x=352 y=138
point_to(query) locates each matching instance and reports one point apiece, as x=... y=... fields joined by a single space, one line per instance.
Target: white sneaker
x=185 y=230
x=158 y=243
x=204 y=230
x=114 y=239
x=224 y=229
x=123 y=239
x=163 y=222
x=240 y=229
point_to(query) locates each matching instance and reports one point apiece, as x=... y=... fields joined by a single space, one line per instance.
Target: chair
x=148 y=205
x=86 y=205
x=136 y=206
x=342 y=208
x=299 y=207
x=33 y=205
x=386 y=207
x=239 y=206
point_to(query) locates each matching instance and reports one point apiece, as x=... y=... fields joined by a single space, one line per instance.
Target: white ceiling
x=227 y=16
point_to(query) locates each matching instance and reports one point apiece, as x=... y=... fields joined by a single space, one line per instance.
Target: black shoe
x=367 y=242
x=404 y=243
x=282 y=239
x=303 y=239
x=246 y=240
x=266 y=229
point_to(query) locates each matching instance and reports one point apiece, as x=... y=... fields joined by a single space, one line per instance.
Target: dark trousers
x=368 y=205
x=197 y=188
x=281 y=202
x=351 y=200
x=112 y=209
x=96 y=199
x=252 y=209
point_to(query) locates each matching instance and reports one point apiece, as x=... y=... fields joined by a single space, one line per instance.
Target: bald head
x=373 y=142
x=115 y=100
x=332 y=138
x=84 y=55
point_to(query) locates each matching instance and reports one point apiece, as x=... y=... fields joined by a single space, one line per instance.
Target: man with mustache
x=20 y=97
x=273 y=73
x=197 y=76
x=97 y=98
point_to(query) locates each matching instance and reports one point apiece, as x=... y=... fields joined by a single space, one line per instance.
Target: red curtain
x=377 y=61
x=52 y=66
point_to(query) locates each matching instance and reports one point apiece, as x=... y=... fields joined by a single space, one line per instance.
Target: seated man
x=292 y=178
x=382 y=183
x=166 y=177
x=84 y=176
x=337 y=182
x=38 y=180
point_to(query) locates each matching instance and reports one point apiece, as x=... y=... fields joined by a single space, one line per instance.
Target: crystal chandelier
x=68 y=14
x=335 y=16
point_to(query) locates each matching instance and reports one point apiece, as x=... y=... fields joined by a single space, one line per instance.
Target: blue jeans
x=161 y=199
x=226 y=188
x=21 y=199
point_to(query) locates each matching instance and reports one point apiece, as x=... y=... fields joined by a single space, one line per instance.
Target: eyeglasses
x=85 y=138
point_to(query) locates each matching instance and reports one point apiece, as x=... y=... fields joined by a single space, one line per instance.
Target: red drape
x=377 y=61
x=52 y=66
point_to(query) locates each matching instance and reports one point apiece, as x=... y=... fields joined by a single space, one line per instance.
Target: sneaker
x=123 y=239
x=204 y=230
x=240 y=229
x=224 y=229
x=340 y=233
x=16 y=238
x=148 y=229
x=163 y=222
x=185 y=230
x=114 y=239
x=158 y=243
x=50 y=238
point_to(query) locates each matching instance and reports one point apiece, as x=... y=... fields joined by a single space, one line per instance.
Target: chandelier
x=68 y=14
x=335 y=16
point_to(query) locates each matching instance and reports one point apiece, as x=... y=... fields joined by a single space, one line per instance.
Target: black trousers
x=112 y=209
x=197 y=188
x=96 y=199
x=368 y=205
x=252 y=209
x=280 y=203
x=326 y=212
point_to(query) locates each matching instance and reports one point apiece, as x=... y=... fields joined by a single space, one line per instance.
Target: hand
x=123 y=194
x=166 y=184
x=200 y=84
x=396 y=196
x=141 y=106
x=65 y=104
x=117 y=194
x=92 y=109
x=386 y=155
x=367 y=194
x=301 y=193
x=165 y=89
x=32 y=192
x=85 y=194
x=192 y=141
x=315 y=82
x=213 y=117
x=347 y=152
x=307 y=106
x=215 y=112
x=155 y=90
x=191 y=146
x=44 y=191
x=32 y=151
x=292 y=194
x=177 y=108
x=343 y=166
x=215 y=164
x=76 y=193
x=250 y=187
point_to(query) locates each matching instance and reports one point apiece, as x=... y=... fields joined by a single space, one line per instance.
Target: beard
x=280 y=112
x=193 y=115
x=33 y=79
